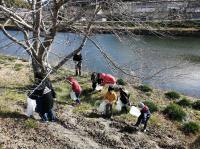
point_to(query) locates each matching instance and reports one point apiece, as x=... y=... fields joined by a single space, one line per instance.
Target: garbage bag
x=31 y=105
x=135 y=111
x=119 y=105
x=98 y=87
x=102 y=107
x=73 y=95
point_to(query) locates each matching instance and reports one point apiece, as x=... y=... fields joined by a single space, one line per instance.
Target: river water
x=176 y=59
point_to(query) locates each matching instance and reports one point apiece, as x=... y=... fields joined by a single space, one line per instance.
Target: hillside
x=81 y=126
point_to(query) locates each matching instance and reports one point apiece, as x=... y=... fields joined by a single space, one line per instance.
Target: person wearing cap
x=124 y=97
x=77 y=58
x=110 y=98
x=144 y=116
x=76 y=88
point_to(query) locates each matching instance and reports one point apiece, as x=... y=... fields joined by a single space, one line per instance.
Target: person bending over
x=76 y=88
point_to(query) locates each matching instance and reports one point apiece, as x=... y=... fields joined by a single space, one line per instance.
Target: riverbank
x=81 y=126
x=142 y=30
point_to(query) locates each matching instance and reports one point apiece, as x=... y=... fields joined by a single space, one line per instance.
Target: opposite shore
x=172 y=31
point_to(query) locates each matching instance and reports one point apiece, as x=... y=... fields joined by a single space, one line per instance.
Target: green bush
x=145 y=88
x=175 y=112
x=184 y=102
x=172 y=95
x=121 y=82
x=191 y=127
x=152 y=106
x=196 y=105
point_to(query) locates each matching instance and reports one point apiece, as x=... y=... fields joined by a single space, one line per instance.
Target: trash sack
x=31 y=105
x=102 y=107
x=98 y=87
x=73 y=95
x=119 y=105
x=135 y=111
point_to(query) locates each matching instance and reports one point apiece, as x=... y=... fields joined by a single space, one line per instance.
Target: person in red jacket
x=105 y=79
x=76 y=88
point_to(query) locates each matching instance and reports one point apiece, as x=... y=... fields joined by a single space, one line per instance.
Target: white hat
x=141 y=105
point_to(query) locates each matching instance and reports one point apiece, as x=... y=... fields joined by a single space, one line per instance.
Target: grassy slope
x=13 y=81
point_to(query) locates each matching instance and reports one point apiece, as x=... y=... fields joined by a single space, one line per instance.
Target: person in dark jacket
x=124 y=97
x=144 y=116
x=44 y=95
x=77 y=58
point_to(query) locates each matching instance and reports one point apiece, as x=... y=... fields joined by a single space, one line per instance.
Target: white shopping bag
x=102 y=107
x=31 y=104
x=73 y=95
x=135 y=111
x=98 y=87
x=119 y=105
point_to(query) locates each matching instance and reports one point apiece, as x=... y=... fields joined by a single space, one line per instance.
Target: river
x=177 y=59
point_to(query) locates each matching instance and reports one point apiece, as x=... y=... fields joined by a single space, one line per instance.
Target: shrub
x=121 y=82
x=184 y=102
x=152 y=106
x=175 y=112
x=145 y=88
x=172 y=95
x=196 y=105
x=191 y=127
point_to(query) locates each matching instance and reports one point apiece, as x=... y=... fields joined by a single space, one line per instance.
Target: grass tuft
x=145 y=88
x=18 y=67
x=31 y=123
x=184 y=102
x=175 y=112
x=191 y=127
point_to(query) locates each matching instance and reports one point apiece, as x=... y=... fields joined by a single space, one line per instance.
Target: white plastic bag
x=73 y=95
x=119 y=105
x=102 y=107
x=98 y=87
x=31 y=104
x=135 y=111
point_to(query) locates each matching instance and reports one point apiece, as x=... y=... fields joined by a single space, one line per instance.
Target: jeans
x=144 y=119
x=78 y=97
x=94 y=85
x=78 y=66
x=108 y=113
x=49 y=116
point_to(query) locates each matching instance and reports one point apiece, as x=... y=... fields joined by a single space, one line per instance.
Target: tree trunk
x=38 y=69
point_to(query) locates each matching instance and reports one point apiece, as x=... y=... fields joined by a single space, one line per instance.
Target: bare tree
x=40 y=24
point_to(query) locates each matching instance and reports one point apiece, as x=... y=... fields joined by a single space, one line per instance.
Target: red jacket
x=107 y=79
x=76 y=87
